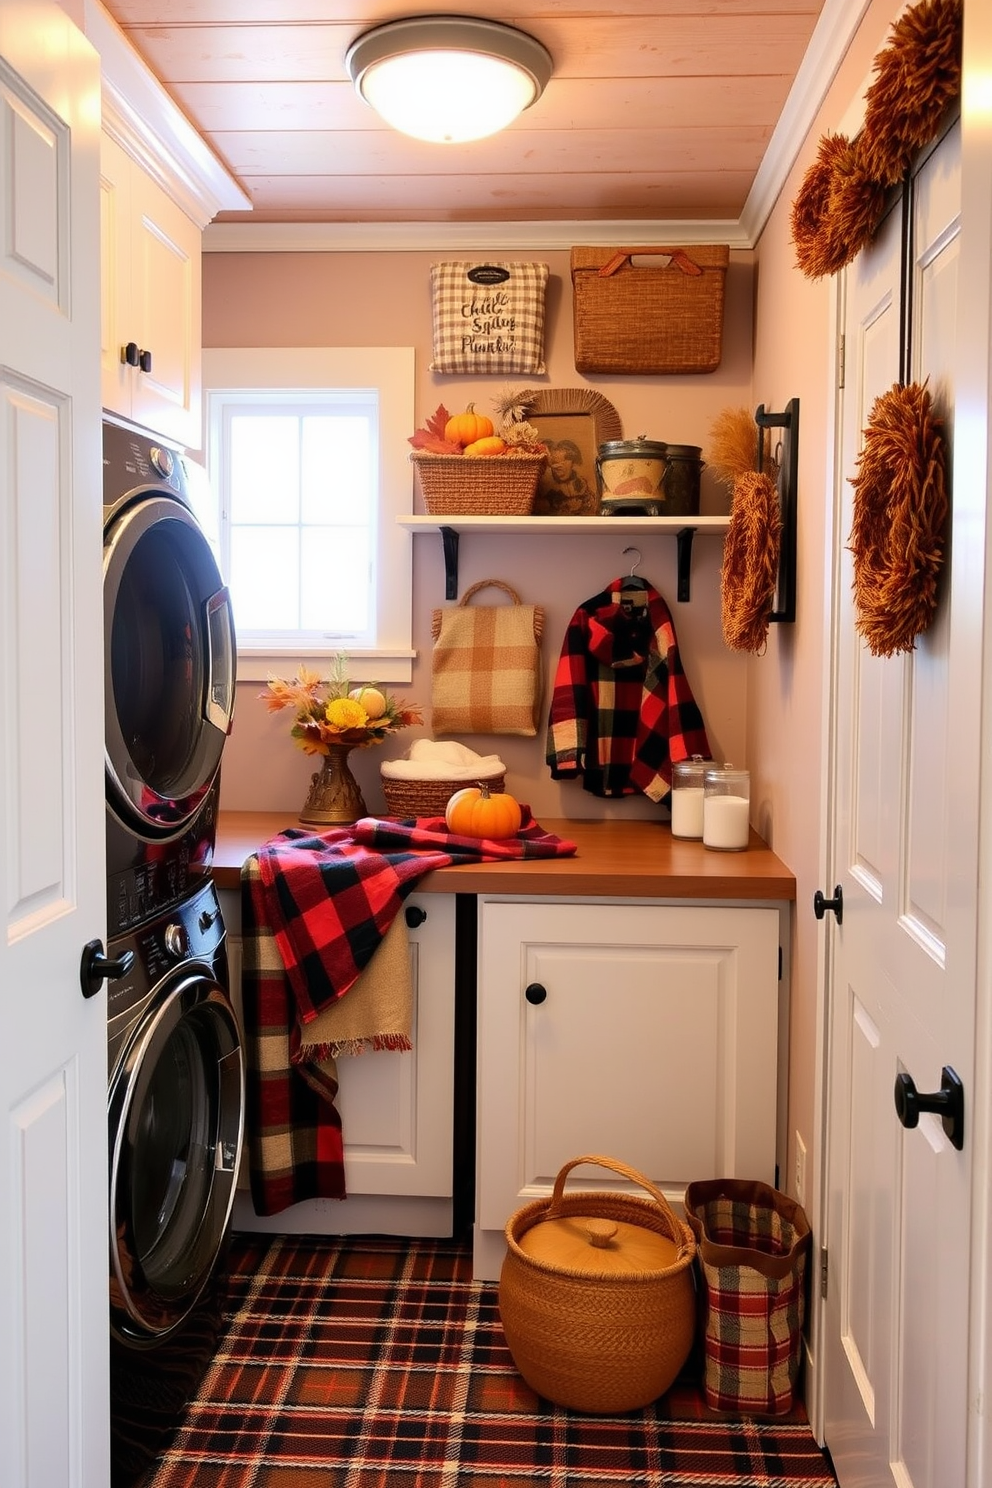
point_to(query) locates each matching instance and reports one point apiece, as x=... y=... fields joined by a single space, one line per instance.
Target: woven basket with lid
x=596 y=1294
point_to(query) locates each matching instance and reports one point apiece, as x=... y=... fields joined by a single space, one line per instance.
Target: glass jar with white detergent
x=687 y=796
x=726 y=808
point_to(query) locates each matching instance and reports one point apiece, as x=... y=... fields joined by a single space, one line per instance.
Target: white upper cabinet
x=150 y=302
x=161 y=185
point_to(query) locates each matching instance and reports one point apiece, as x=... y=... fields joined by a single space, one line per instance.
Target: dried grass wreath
x=900 y=508
x=917 y=77
x=840 y=202
x=750 y=562
x=837 y=209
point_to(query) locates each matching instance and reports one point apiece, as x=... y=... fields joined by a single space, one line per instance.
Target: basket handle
x=680 y=260
x=679 y=1233
x=487 y=584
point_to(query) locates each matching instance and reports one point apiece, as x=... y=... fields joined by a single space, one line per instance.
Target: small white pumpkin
x=371 y=700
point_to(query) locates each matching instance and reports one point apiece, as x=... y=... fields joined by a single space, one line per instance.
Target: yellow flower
x=345 y=713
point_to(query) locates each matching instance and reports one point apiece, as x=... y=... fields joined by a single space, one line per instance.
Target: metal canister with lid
x=684 y=468
x=631 y=475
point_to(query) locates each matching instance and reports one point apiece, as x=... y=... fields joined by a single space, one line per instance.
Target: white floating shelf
x=601 y=526
x=683 y=529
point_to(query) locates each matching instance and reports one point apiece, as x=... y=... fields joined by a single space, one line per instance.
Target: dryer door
x=176 y=1112
x=169 y=664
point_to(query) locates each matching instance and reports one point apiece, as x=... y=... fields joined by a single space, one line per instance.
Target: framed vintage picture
x=573 y=423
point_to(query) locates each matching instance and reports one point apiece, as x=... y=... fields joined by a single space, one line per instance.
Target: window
x=308 y=470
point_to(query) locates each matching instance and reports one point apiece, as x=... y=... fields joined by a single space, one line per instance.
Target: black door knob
x=836 y=904
x=145 y=361
x=95 y=967
x=947 y=1102
x=129 y=353
x=414 y=915
x=535 y=993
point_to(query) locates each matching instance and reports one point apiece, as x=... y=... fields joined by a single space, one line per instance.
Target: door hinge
x=780 y=963
x=841 y=349
x=824 y=1271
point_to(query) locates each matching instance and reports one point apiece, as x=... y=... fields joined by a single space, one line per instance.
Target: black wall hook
x=788 y=480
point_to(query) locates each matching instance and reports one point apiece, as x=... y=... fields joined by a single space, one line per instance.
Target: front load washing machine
x=176 y=1086
x=176 y=1123
x=170 y=672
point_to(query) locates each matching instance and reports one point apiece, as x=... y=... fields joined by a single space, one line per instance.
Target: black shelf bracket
x=788 y=480
x=684 y=561
x=449 y=543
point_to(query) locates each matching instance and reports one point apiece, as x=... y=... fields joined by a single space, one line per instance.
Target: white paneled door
x=54 y=1415
x=903 y=961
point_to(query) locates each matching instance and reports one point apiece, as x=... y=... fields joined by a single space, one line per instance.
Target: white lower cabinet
x=646 y=1032
x=397 y=1109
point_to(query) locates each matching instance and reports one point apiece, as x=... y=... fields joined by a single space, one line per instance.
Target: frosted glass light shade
x=448 y=78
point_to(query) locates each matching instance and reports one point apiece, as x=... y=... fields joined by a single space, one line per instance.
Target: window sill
x=259 y=663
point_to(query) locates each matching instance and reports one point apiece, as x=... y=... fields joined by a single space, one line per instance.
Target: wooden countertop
x=626 y=859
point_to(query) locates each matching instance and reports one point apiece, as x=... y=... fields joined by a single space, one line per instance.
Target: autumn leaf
x=431 y=437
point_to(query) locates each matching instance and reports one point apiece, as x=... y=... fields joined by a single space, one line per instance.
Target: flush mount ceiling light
x=448 y=78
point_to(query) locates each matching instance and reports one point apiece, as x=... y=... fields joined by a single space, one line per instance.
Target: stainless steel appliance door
x=176 y=1125
x=170 y=664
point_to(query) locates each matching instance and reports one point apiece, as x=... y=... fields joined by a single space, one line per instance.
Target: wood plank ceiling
x=658 y=109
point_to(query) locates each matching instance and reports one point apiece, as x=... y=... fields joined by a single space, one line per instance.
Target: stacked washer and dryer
x=176 y=1066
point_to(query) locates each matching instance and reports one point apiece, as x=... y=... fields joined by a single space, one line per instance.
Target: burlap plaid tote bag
x=488 y=317
x=752 y=1244
x=486 y=666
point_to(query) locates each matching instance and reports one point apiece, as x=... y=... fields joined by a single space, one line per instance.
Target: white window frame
x=232 y=371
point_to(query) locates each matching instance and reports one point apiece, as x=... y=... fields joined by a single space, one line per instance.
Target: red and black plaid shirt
x=622 y=709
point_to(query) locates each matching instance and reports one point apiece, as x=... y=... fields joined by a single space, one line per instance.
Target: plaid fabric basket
x=752 y=1243
x=488 y=317
x=486 y=666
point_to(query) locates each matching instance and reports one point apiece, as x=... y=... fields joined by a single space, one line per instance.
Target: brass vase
x=335 y=797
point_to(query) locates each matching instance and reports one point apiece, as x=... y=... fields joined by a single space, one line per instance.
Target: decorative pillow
x=488 y=317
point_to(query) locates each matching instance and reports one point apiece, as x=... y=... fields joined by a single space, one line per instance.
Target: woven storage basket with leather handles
x=643 y=318
x=486 y=666
x=596 y=1294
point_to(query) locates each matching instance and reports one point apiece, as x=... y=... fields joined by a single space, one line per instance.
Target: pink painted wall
x=350 y=299
x=786 y=688
x=766 y=712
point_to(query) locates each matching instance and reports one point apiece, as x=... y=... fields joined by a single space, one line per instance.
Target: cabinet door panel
x=150 y=295
x=397 y=1108
x=656 y=1043
x=165 y=285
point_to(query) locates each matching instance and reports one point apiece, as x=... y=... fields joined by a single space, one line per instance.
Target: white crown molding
x=455 y=237
x=141 y=117
x=832 y=35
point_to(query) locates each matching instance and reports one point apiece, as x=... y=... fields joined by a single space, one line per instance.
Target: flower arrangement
x=338 y=713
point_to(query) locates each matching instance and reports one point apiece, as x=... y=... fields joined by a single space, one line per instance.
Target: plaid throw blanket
x=315 y=909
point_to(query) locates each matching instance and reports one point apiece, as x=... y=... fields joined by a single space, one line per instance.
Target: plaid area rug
x=379 y=1363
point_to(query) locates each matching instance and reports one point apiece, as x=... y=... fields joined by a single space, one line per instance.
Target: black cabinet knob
x=836 y=904
x=947 y=1102
x=145 y=361
x=414 y=915
x=129 y=353
x=95 y=967
x=535 y=993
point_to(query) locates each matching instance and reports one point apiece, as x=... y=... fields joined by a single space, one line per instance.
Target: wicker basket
x=407 y=798
x=591 y=1335
x=655 y=319
x=496 y=486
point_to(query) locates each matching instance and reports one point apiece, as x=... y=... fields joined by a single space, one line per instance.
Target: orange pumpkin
x=476 y=812
x=491 y=445
x=466 y=428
